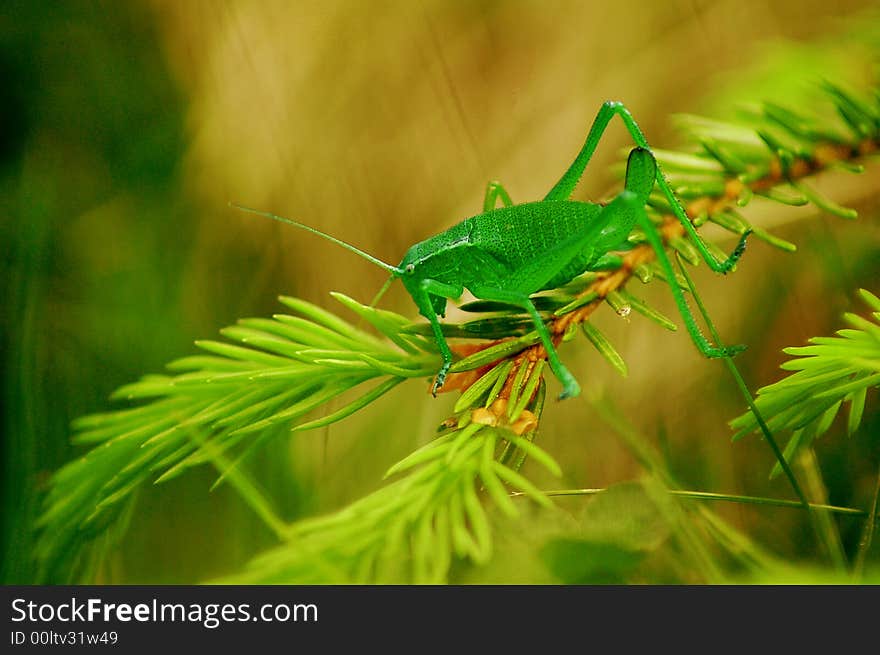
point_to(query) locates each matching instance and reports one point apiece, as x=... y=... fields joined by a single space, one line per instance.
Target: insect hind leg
x=567 y=183
x=628 y=201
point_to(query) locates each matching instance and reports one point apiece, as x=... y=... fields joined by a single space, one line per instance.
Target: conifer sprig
x=410 y=530
x=225 y=403
x=829 y=374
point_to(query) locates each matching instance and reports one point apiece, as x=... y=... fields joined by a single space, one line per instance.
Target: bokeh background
x=126 y=128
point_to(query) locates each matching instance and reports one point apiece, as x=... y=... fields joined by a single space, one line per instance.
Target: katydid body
x=509 y=253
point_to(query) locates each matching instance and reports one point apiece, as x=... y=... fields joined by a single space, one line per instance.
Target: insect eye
x=410 y=268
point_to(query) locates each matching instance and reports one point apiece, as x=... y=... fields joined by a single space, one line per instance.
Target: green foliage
x=830 y=373
x=409 y=530
x=219 y=407
x=223 y=403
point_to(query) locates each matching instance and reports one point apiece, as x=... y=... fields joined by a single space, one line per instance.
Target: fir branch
x=410 y=530
x=830 y=373
x=220 y=407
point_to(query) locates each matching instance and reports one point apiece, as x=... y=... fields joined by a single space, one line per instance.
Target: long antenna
x=378 y=262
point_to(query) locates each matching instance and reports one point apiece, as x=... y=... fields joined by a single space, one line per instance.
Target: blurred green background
x=127 y=127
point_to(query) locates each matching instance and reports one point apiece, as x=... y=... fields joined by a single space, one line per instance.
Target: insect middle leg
x=565 y=186
x=570 y=386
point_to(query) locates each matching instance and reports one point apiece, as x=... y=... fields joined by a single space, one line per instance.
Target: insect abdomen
x=520 y=234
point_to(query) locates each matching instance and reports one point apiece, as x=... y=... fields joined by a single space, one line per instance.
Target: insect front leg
x=494 y=191
x=567 y=183
x=426 y=289
x=570 y=386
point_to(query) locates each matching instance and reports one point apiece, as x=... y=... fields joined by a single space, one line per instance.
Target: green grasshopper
x=507 y=254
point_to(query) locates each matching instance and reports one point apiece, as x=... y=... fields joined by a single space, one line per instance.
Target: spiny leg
x=565 y=186
x=426 y=309
x=440 y=340
x=631 y=202
x=494 y=191
x=570 y=386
